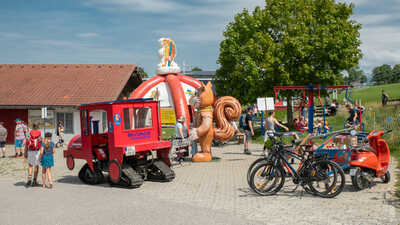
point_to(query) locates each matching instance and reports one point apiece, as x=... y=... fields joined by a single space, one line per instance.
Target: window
x=84 y=122
x=143 y=117
x=127 y=119
x=135 y=118
x=104 y=120
x=67 y=119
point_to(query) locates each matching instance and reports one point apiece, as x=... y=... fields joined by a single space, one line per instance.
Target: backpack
x=34 y=142
x=241 y=122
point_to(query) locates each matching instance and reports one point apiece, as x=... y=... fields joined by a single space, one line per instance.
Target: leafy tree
x=197 y=69
x=363 y=79
x=396 y=73
x=288 y=42
x=382 y=74
x=354 y=75
x=142 y=72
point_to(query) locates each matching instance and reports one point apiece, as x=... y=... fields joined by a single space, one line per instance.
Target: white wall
x=67 y=137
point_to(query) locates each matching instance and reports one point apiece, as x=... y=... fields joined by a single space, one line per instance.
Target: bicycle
x=312 y=171
x=297 y=143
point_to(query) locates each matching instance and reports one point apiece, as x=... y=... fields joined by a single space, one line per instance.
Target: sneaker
x=16 y=155
x=34 y=183
x=29 y=183
x=247 y=152
x=20 y=154
x=4 y=156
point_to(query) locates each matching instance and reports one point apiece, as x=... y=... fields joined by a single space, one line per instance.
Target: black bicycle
x=316 y=174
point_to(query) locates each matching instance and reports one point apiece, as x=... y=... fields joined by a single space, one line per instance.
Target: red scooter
x=371 y=161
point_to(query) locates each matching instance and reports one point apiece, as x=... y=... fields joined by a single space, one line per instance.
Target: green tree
x=363 y=79
x=396 y=73
x=382 y=74
x=288 y=42
x=197 y=69
x=142 y=72
x=355 y=75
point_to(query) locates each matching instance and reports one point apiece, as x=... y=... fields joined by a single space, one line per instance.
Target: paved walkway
x=202 y=193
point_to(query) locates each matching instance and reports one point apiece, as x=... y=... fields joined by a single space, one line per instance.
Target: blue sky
x=126 y=31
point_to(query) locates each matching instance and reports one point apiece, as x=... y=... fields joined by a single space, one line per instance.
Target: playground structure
x=311 y=89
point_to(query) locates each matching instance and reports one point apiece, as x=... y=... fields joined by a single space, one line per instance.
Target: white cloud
x=87 y=35
x=380 y=45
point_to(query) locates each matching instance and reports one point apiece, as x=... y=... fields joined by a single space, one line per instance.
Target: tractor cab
x=117 y=136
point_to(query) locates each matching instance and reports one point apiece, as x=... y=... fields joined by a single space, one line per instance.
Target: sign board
x=168 y=116
x=44 y=113
x=270 y=106
x=261 y=104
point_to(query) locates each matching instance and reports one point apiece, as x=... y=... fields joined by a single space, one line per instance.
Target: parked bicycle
x=315 y=173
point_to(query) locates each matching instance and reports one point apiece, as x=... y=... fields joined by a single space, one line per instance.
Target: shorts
x=267 y=134
x=248 y=135
x=2 y=144
x=34 y=158
x=19 y=143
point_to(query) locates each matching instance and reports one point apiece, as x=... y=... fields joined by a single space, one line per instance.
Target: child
x=32 y=153
x=46 y=154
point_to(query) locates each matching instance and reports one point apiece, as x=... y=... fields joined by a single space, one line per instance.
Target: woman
x=47 y=158
x=270 y=123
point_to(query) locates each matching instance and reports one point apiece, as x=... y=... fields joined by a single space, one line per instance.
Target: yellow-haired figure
x=169 y=48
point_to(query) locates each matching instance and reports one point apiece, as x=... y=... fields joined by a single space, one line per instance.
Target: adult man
x=248 y=129
x=20 y=136
x=3 y=137
x=385 y=98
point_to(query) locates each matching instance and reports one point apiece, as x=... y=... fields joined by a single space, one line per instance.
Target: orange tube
x=178 y=97
x=145 y=87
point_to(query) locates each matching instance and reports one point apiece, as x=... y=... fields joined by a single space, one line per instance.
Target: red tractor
x=123 y=138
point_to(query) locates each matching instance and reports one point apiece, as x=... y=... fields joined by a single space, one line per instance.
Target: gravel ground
x=204 y=193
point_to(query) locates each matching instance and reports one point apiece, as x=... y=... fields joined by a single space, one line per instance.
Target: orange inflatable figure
x=223 y=110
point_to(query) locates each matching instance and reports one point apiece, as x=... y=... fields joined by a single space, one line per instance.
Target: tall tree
x=382 y=74
x=396 y=73
x=289 y=42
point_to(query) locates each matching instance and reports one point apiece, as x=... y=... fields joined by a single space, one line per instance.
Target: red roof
x=62 y=84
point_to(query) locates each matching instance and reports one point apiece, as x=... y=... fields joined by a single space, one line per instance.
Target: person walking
x=385 y=98
x=248 y=129
x=47 y=160
x=3 y=138
x=32 y=152
x=20 y=136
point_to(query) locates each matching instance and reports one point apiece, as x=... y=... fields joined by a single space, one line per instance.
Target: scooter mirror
x=353 y=133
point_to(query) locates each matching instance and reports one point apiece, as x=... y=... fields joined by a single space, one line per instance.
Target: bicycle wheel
x=251 y=167
x=267 y=179
x=326 y=178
